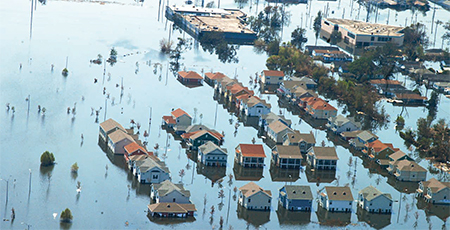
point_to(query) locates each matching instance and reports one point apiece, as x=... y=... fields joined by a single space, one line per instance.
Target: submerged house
x=178 y=120
x=171 y=210
x=372 y=200
x=287 y=156
x=296 y=197
x=151 y=170
x=336 y=199
x=210 y=154
x=341 y=124
x=434 y=191
x=304 y=141
x=250 y=155
x=276 y=130
x=196 y=139
x=251 y=196
x=190 y=78
x=107 y=127
x=322 y=158
x=117 y=140
x=168 y=192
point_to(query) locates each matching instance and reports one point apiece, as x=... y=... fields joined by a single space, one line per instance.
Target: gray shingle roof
x=167 y=187
x=209 y=147
x=370 y=193
x=366 y=135
x=288 y=151
x=298 y=192
x=339 y=193
x=325 y=153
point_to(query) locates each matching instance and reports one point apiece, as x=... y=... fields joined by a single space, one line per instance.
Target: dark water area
x=110 y=196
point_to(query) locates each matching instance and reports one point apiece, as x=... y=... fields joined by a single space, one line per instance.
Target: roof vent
x=294 y=192
x=334 y=193
x=304 y=192
x=168 y=205
x=412 y=165
x=344 y=193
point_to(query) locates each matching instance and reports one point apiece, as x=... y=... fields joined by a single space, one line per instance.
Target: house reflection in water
x=253 y=217
x=284 y=175
x=442 y=211
x=375 y=220
x=247 y=174
x=173 y=222
x=334 y=219
x=320 y=176
x=286 y=217
x=213 y=173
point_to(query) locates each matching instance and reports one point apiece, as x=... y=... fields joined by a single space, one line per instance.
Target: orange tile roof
x=409 y=96
x=217 y=75
x=178 y=113
x=384 y=81
x=250 y=150
x=319 y=104
x=189 y=135
x=132 y=147
x=274 y=73
x=379 y=146
x=190 y=75
x=169 y=120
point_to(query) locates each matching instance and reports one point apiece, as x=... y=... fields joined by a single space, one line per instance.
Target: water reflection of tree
x=241 y=3
x=269 y=23
x=215 y=43
x=175 y=55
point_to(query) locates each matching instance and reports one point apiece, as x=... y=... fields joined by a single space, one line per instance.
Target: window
x=350 y=203
x=326 y=23
x=249 y=200
x=336 y=27
x=390 y=204
x=350 y=35
x=372 y=38
x=269 y=200
x=331 y=203
x=174 y=199
x=155 y=176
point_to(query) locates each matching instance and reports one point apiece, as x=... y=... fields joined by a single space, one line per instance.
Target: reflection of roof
x=278 y=126
x=339 y=193
x=384 y=82
x=119 y=135
x=288 y=151
x=274 y=73
x=298 y=192
x=370 y=193
x=251 y=188
x=167 y=187
x=110 y=124
x=178 y=113
x=324 y=153
x=251 y=150
x=132 y=147
x=209 y=147
x=172 y=208
x=409 y=96
x=190 y=75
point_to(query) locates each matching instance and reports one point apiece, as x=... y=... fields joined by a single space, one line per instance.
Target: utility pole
x=106 y=107
x=31 y=19
x=150 y=121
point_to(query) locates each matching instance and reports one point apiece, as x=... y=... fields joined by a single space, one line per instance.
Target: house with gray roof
x=372 y=200
x=322 y=158
x=151 y=170
x=304 y=141
x=255 y=107
x=406 y=170
x=434 y=191
x=266 y=119
x=210 y=154
x=287 y=156
x=339 y=124
x=296 y=197
x=168 y=192
x=117 y=140
x=336 y=199
x=362 y=139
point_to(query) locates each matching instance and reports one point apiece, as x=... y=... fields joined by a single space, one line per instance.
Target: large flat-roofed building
x=362 y=34
x=199 y=21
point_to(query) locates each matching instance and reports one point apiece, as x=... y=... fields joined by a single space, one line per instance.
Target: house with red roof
x=210 y=77
x=271 y=77
x=237 y=90
x=134 y=149
x=379 y=150
x=250 y=155
x=317 y=107
x=190 y=78
x=178 y=120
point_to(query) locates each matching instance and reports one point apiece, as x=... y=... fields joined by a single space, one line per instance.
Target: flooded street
x=67 y=33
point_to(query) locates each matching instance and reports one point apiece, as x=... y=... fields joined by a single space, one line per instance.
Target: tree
x=74 y=168
x=335 y=37
x=66 y=215
x=446 y=35
x=318 y=24
x=47 y=159
x=298 y=38
x=165 y=46
x=221 y=194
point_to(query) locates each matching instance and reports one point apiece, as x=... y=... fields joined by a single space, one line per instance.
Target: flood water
x=74 y=33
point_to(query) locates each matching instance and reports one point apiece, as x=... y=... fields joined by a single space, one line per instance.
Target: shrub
x=47 y=158
x=66 y=215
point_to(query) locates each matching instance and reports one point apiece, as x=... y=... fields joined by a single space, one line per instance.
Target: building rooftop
x=365 y=28
x=288 y=151
x=209 y=146
x=251 y=188
x=178 y=113
x=298 y=192
x=370 y=193
x=254 y=100
x=406 y=165
x=132 y=147
x=274 y=73
x=271 y=117
x=435 y=185
x=251 y=150
x=339 y=193
x=110 y=124
x=171 y=208
x=190 y=75
x=324 y=153
x=119 y=135
x=167 y=187
x=278 y=126
x=297 y=137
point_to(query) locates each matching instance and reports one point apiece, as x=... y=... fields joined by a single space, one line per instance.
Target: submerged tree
x=66 y=215
x=47 y=159
x=298 y=38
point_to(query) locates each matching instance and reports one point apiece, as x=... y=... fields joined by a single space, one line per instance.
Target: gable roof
x=274 y=73
x=325 y=153
x=215 y=76
x=200 y=133
x=339 y=193
x=110 y=124
x=151 y=162
x=366 y=135
x=179 y=112
x=167 y=187
x=251 y=150
x=119 y=135
x=271 y=117
x=169 y=120
x=254 y=100
x=172 y=208
x=190 y=75
x=133 y=147
x=352 y=134
x=288 y=151
x=278 y=126
x=379 y=146
x=406 y=165
x=251 y=189
x=298 y=192
x=370 y=193
x=435 y=185
x=319 y=104
x=209 y=147
x=296 y=137
x=397 y=155
x=194 y=128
